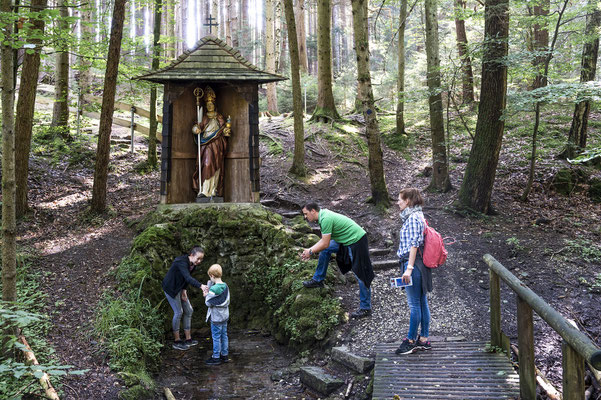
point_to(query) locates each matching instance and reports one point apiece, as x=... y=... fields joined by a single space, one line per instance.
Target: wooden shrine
x=235 y=83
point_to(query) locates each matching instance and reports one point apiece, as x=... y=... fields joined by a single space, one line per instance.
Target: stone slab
x=378 y=252
x=357 y=363
x=319 y=380
x=385 y=264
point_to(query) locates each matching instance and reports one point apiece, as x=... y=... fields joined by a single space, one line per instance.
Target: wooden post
x=573 y=373
x=495 y=309
x=133 y=125
x=526 y=347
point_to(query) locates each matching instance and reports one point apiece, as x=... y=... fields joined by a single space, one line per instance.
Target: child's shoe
x=213 y=361
x=224 y=359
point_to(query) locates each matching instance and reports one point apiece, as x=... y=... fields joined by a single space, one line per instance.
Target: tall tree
x=26 y=106
x=379 y=193
x=245 y=29
x=440 y=167
x=537 y=106
x=326 y=107
x=540 y=41
x=272 y=99
x=60 y=115
x=299 y=16
x=467 y=76
x=156 y=53
x=98 y=203
x=9 y=221
x=400 y=83
x=588 y=66
x=228 y=22
x=85 y=64
x=298 y=161
x=476 y=190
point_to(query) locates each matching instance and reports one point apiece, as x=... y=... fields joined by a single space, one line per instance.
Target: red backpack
x=434 y=254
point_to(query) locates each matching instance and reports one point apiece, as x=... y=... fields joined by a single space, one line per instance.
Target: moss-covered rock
x=259 y=256
x=563 y=182
x=594 y=190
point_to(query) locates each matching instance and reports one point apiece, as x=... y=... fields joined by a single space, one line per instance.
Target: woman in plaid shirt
x=411 y=239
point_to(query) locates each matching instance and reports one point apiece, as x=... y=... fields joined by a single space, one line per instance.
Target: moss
x=562 y=182
x=261 y=265
x=594 y=190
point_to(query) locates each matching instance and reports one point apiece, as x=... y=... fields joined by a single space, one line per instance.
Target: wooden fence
x=577 y=348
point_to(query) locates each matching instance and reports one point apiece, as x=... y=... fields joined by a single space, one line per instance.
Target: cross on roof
x=211 y=24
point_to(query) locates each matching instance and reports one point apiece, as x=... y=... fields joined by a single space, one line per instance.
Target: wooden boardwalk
x=451 y=370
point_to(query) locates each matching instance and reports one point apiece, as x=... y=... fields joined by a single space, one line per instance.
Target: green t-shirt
x=218 y=288
x=343 y=229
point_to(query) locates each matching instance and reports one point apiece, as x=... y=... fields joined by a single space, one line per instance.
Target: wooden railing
x=577 y=348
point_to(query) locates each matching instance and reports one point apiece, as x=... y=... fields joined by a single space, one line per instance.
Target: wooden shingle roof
x=211 y=60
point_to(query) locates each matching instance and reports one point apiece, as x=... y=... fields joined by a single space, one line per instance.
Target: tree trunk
x=25 y=109
x=60 y=115
x=440 y=168
x=185 y=10
x=298 y=161
x=272 y=100
x=344 y=51
x=156 y=53
x=85 y=64
x=467 y=76
x=379 y=192
x=588 y=66
x=169 y=18
x=228 y=22
x=299 y=15
x=476 y=190
x=235 y=26
x=106 y=114
x=326 y=107
x=245 y=29
x=9 y=223
x=540 y=45
x=400 y=107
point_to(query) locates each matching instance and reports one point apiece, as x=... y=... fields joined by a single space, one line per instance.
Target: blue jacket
x=178 y=277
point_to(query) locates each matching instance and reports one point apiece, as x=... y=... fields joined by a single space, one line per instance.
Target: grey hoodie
x=218 y=305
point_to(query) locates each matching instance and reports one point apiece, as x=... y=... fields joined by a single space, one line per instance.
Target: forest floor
x=550 y=242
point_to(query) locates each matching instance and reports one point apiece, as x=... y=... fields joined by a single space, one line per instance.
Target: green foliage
x=60 y=145
x=585 y=249
x=131 y=330
x=514 y=244
x=16 y=378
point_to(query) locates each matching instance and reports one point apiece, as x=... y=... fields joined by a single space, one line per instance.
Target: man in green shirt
x=343 y=236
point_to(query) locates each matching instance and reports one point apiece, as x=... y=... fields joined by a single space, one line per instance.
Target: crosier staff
x=198 y=92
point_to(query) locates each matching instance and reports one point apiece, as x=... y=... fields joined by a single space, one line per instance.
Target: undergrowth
x=60 y=145
x=17 y=379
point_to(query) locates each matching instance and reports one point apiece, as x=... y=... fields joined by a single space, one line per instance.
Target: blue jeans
x=364 y=291
x=220 y=341
x=180 y=308
x=418 y=305
x=324 y=260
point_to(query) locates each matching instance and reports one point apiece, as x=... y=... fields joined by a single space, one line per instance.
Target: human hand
x=305 y=255
x=184 y=295
x=407 y=275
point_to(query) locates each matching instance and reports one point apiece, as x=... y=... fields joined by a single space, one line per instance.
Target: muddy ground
x=528 y=238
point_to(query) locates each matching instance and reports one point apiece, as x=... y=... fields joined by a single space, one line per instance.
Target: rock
x=562 y=182
x=385 y=264
x=456 y=339
x=378 y=252
x=357 y=363
x=319 y=380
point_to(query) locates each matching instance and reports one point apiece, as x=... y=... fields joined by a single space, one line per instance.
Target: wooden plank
x=573 y=373
x=451 y=370
x=526 y=347
x=125 y=107
x=495 y=309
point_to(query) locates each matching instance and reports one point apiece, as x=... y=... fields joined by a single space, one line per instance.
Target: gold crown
x=210 y=94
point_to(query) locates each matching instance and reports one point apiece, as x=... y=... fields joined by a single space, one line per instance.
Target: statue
x=210 y=133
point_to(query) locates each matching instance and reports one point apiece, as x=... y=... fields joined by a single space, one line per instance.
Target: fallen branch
x=168 y=394
x=541 y=379
x=30 y=359
x=348 y=390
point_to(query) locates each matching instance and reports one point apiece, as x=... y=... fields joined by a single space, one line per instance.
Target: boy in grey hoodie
x=217 y=299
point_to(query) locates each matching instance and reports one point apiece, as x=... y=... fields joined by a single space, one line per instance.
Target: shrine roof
x=211 y=59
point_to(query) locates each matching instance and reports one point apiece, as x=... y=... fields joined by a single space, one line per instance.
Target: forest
x=490 y=108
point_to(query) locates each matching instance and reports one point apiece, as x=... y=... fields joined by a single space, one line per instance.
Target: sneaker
x=361 y=313
x=224 y=359
x=213 y=361
x=407 y=347
x=423 y=345
x=191 y=342
x=180 y=345
x=312 y=283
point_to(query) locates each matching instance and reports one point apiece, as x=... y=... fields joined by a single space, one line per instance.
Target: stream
x=254 y=359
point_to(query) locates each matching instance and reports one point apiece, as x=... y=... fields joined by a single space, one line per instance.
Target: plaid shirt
x=412 y=234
